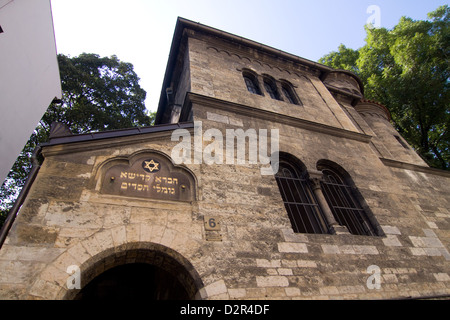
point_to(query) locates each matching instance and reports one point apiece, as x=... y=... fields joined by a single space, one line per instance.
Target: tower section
x=388 y=142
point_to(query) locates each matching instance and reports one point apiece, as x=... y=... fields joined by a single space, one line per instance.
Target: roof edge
x=183 y=24
x=118 y=133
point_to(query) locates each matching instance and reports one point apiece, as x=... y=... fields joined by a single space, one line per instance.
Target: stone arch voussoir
x=113 y=247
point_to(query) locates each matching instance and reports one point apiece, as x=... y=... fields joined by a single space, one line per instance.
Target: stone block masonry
x=71 y=217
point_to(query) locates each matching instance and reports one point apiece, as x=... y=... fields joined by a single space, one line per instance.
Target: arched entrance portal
x=134 y=281
x=152 y=273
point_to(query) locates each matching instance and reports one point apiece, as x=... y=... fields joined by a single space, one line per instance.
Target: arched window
x=271 y=89
x=289 y=94
x=251 y=83
x=341 y=199
x=299 y=200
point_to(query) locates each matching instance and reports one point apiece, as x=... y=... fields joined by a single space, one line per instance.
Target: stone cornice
x=275 y=117
x=250 y=44
x=179 y=34
x=272 y=62
x=373 y=106
x=108 y=139
x=414 y=167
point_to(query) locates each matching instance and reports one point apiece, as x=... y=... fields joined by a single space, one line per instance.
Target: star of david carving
x=150 y=165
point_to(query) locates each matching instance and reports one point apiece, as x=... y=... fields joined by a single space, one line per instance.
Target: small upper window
x=288 y=92
x=271 y=89
x=252 y=84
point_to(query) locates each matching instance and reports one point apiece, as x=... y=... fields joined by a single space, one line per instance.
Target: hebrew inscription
x=152 y=177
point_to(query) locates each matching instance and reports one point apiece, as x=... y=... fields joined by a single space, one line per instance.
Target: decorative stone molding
x=372 y=107
x=345 y=84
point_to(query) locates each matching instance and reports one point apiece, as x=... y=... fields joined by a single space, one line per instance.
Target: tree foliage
x=98 y=94
x=345 y=58
x=407 y=69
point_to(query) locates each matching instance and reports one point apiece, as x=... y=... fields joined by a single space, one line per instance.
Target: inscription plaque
x=152 y=176
x=213 y=236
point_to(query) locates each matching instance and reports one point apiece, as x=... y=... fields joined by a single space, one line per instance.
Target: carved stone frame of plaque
x=150 y=175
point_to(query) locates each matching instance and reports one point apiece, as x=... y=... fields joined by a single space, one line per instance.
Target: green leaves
x=345 y=58
x=408 y=70
x=99 y=94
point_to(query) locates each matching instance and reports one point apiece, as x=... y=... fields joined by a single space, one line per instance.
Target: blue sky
x=140 y=31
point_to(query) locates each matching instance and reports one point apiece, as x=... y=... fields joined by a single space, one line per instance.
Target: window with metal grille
x=288 y=92
x=271 y=89
x=344 y=205
x=252 y=84
x=299 y=200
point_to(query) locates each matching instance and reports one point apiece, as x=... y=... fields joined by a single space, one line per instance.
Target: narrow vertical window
x=252 y=84
x=299 y=200
x=404 y=145
x=288 y=93
x=345 y=207
x=271 y=89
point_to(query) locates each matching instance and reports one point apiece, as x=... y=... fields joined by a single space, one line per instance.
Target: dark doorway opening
x=135 y=281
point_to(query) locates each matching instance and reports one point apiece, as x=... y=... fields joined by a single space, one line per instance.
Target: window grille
x=299 y=200
x=251 y=84
x=271 y=89
x=290 y=96
x=345 y=207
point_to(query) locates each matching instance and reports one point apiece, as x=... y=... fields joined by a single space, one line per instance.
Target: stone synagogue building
x=191 y=209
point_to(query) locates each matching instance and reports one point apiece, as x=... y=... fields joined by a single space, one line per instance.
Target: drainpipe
x=13 y=212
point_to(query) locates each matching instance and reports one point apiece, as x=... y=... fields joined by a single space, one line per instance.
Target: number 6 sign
x=211 y=223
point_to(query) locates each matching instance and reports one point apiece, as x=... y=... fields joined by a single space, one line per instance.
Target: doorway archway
x=134 y=281
x=151 y=272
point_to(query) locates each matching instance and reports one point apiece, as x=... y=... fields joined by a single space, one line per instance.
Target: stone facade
x=249 y=251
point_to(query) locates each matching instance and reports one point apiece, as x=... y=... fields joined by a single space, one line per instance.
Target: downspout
x=28 y=183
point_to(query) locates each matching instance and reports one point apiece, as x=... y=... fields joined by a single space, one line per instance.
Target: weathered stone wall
x=271 y=261
x=66 y=219
x=398 y=148
x=216 y=71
